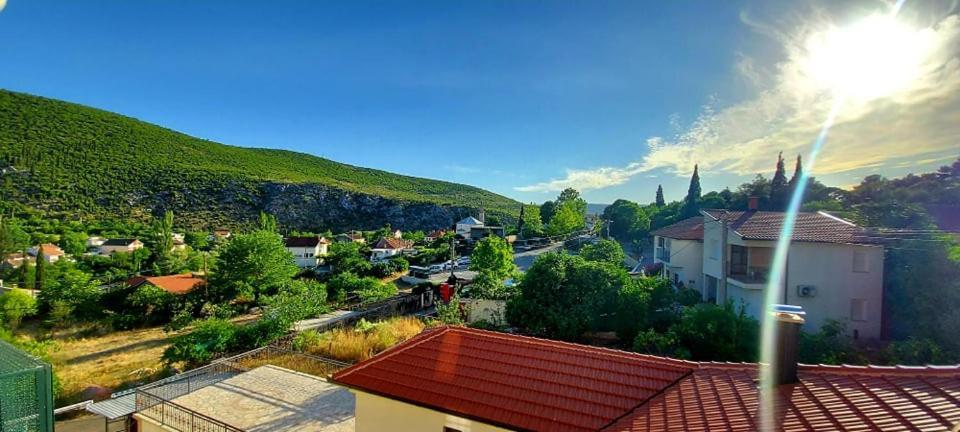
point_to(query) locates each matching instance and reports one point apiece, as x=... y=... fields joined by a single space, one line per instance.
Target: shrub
x=914 y=351
x=15 y=305
x=361 y=342
x=209 y=339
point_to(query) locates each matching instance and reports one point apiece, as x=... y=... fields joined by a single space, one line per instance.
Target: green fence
x=26 y=392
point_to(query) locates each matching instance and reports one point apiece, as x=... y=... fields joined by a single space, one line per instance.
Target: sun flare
x=876 y=57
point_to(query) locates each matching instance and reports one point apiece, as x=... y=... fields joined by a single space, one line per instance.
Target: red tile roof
x=513 y=381
x=687 y=229
x=173 y=284
x=725 y=397
x=524 y=383
x=809 y=227
x=393 y=243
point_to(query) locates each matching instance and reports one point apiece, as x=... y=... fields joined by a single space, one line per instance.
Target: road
x=524 y=260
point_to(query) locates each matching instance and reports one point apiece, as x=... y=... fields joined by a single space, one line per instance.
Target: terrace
x=265 y=389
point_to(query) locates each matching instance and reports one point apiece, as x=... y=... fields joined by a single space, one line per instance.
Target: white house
x=464 y=226
x=398 y=234
x=679 y=249
x=51 y=252
x=834 y=270
x=389 y=247
x=123 y=245
x=432 y=236
x=94 y=242
x=307 y=251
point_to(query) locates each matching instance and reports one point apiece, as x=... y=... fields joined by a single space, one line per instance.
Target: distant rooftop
x=470 y=220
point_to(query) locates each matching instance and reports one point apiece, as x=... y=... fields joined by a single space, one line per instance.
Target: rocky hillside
x=69 y=160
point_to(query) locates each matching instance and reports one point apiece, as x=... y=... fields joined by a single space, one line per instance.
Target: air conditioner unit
x=806 y=290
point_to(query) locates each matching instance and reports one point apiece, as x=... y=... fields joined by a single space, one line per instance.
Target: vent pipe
x=788 y=320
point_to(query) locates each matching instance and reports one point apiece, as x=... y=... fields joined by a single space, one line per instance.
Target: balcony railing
x=156 y=401
x=750 y=275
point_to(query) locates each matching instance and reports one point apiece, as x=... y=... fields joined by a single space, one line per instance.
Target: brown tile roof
x=687 y=229
x=436 y=233
x=513 y=381
x=725 y=397
x=809 y=227
x=173 y=284
x=393 y=243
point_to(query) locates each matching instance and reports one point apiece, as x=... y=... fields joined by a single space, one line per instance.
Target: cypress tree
x=41 y=268
x=691 y=204
x=779 y=193
x=797 y=173
x=660 y=201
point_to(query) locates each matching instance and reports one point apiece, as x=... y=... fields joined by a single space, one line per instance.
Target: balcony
x=749 y=266
x=268 y=388
x=662 y=254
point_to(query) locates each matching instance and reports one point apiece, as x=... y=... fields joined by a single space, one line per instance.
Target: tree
x=659 y=201
x=75 y=290
x=797 y=174
x=706 y=332
x=495 y=256
x=15 y=305
x=346 y=257
x=567 y=219
x=41 y=272
x=12 y=237
x=74 y=243
x=628 y=221
x=167 y=262
x=252 y=265
x=691 y=204
x=605 y=251
x=779 y=190
x=562 y=296
x=532 y=222
x=547 y=209
x=267 y=222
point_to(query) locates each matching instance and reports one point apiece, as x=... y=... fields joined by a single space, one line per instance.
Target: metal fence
x=157 y=401
x=26 y=396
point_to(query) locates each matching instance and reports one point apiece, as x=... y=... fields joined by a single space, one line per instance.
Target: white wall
x=377 y=414
x=826 y=266
x=686 y=260
x=305 y=256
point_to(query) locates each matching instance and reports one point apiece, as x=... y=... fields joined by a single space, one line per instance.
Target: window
x=858 y=310
x=714 y=249
x=860 y=263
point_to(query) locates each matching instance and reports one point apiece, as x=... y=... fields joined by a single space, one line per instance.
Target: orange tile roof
x=393 y=243
x=725 y=397
x=173 y=284
x=49 y=249
x=525 y=383
x=516 y=382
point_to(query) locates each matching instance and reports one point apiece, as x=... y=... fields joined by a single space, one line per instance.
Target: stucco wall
x=686 y=260
x=493 y=311
x=377 y=414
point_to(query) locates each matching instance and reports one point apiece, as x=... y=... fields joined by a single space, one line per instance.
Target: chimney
x=753 y=203
x=788 y=319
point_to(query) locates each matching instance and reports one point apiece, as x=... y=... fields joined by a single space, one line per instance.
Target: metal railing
x=156 y=401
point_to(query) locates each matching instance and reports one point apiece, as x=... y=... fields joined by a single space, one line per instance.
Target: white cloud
x=915 y=121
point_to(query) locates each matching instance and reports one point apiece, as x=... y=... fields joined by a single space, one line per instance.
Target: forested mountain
x=71 y=160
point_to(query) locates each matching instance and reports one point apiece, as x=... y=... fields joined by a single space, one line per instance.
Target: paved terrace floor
x=271 y=398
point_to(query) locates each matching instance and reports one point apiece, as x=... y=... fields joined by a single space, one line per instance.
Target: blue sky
x=519 y=97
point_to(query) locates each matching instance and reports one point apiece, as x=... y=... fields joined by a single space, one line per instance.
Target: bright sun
x=869 y=59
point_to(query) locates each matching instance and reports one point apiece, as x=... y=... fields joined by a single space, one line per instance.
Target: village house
x=456 y=379
x=94 y=242
x=397 y=234
x=51 y=252
x=219 y=234
x=834 y=270
x=307 y=251
x=173 y=284
x=351 y=236
x=390 y=247
x=464 y=226
x=122 y=245
x=679 y=248
x=432 y=236
x=17 y=259
x=478 y=233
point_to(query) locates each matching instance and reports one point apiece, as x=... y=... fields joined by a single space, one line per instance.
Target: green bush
x=209 y=339
x=16 y=305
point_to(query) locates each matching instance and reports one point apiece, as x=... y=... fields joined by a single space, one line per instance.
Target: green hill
x=76 y=160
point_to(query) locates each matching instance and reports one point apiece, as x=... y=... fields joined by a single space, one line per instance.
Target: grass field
x=91 y=356
x=361 y=342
